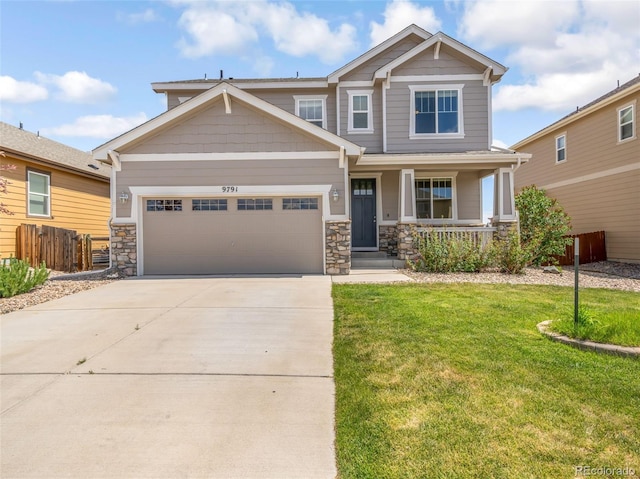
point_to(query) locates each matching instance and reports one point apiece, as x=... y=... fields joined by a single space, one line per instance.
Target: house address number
x=230 y=189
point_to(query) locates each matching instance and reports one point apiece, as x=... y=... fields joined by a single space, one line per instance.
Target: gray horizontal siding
x=234 y=173
x=448 y=63
x=244 y=130
x=475 y=117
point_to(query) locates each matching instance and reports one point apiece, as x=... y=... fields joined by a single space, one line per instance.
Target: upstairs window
x=561 y=148
x=436 y=111
x=434 y=198
x=360 y=112
x=313 y=109
x=626 y=128
x=39 y=194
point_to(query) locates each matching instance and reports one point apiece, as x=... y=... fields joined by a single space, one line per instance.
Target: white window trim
x=350 y=128
x=412 y=116
x=424 y=175
x=323 y=98
x=47 y=196
x=555 y=147
x=634 y=126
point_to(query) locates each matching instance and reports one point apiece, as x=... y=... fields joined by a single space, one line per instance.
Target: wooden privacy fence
x=592 y=249
x=59 y=248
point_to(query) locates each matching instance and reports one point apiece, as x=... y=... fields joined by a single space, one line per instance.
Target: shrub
x=511 y=256
x=444 y=253
x=543 y=225
x=18 y=277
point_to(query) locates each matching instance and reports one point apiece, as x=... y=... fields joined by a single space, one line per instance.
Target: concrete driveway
x=170 y=377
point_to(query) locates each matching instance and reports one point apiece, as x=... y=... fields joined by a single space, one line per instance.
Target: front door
x=363 y=213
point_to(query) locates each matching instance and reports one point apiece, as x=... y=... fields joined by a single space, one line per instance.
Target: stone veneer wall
x=123 y=248
x=338 y=248
x=406 y=244
x=389 y=240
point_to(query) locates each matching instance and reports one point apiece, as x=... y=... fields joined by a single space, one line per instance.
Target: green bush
x=442 y=253
x=511 y=256
x=543 y=225
x=18 y=277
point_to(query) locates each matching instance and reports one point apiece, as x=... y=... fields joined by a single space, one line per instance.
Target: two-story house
x=590 y=162
x=291 y=175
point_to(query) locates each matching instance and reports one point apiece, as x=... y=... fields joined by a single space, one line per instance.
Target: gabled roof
x=365 y=57
x=34 y=147
x=614 y=95
x=202 y=101
x=497 y=69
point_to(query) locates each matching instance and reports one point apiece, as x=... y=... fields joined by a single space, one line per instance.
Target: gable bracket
x=486 y=76
x=227 y=102
x=436 y=52
x=114 y=156
x=387 y=81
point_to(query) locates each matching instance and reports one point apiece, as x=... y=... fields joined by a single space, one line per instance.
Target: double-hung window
x=39 y=194
x=360 y=112
x=313 y=109
x=436 y=111
x=626 y=127
x=434 y=198
x=561 y=148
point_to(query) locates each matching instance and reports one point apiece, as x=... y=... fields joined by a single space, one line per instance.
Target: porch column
x=407 y=197
x=504 y=206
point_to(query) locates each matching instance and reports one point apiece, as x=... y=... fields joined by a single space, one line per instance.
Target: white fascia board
x=434 y=159
x=365 y=57
x=562 y=124
x=497 y=68
x=208 y=96
x=269 y=156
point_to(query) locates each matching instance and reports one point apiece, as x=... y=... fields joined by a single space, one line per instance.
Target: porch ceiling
x=484 y=160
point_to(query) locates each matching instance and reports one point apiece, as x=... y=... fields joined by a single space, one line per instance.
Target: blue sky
x=79 y=72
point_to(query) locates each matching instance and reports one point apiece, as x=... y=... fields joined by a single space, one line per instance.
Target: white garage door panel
x=227 y=242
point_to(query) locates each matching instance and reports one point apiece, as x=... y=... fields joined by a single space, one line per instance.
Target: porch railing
x=478 y=234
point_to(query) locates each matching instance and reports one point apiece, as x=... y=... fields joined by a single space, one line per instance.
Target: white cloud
x=568 y=52
x=560 y=91
x=78 y=87
x=97 y=126
x=493 y=23
x=228 y=28
x=398 y=15
x=262 y=65
x=213 y=32
x=147 y=16
x=15 y=91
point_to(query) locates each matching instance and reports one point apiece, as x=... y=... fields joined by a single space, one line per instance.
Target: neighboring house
x=291 y=175
x=54 y=185
x=590 y=162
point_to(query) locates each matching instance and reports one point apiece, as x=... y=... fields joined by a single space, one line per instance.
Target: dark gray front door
x=363 y=213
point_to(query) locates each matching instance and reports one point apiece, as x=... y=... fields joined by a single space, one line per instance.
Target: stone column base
x=124 y=256
x=406 y=243
x=338 y=246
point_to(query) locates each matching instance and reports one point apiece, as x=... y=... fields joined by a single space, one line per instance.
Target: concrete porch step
x=374 y=260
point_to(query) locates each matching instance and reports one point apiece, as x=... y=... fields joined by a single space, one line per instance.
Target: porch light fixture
x=124 y=197
x=335 y=195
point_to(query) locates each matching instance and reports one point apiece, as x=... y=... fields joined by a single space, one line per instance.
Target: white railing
x=479 y=234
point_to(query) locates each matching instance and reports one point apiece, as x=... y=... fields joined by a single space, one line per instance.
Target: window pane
x=360 y=103
x=360 y=120
x=626 y=131
x=311 y=110
x=626 y=115
x=448 y=111
x=38 y=184
x=38 y=205
x=425 y=102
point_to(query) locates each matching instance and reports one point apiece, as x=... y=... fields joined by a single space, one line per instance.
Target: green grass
x=597 y=321
x=447 y=381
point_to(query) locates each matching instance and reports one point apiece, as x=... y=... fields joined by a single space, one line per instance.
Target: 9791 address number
x=230 y=189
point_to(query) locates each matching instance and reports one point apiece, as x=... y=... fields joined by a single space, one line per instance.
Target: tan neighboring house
x=590 y=162
x=53 y=184
x=293 y=175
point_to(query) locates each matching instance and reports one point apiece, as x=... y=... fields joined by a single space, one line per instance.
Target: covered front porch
x=394 y=197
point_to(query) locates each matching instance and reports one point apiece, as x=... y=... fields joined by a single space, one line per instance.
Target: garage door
x=232 y=235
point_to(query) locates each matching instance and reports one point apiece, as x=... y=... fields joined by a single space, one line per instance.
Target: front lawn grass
x=440 y=380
